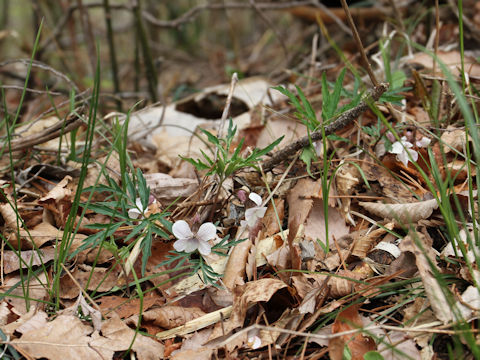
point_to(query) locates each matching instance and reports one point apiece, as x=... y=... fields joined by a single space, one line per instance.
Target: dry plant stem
x=344 y=119
x=272 y=26
x=358 y=41
x=226 y=109
x=312 y=60
x=195 y=11
x=363 y=55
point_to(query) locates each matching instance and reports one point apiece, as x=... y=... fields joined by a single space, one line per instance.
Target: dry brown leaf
x=300 y=203
x=9 y=216
x=396 y=345
x=59 y=192
x=192 y=348
x=66 y=337
x=37 y=321
x=39 y=235
x=365 y=243
x=170 y=316
x=271 y=223
x=11 y=262
x=120 y=336
x=391 y=187
x=235 y=268
x=37 y=290
x=433 y=289
x=402 y=213
x=167 y=188
x=315 y=227
x=342 y=286
x=101 y=279
x=253 y=292
x=359 y=344
x=125 y=307
x=452 y=59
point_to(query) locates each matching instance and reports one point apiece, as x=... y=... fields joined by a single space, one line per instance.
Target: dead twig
x=344 y=119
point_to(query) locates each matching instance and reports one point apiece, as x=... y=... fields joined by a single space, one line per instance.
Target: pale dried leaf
x=254 y=291
x=469 y=305
x=235 y=268
x=39 y=235
x=452 y=59
x=38 y=321
x=397 y=345
x=300 y=203
x=9 y=216
x=454 y=138
x=12 y=263
x=37 y=290
x=119 y=336
x=4 y=313
x=315 y=227
x=66 y=337
x=402 y=213
x=165 y=187
x=98 y=278
x=433 y=289
x=59 y=192
x=171 y=316
x=364 y=243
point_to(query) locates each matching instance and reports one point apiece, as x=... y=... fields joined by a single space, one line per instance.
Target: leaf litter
x=229 y=244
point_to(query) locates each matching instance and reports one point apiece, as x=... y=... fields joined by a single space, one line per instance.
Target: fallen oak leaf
x=402 y=213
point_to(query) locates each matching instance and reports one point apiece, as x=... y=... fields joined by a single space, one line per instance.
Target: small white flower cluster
x=403 y=149
x=188 y=241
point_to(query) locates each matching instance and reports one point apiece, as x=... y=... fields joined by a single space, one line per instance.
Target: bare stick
x=344 y=119
x=195 y=11
x=360 y=47
x=226 y=109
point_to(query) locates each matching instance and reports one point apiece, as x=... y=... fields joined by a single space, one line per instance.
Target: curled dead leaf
x=402 y=213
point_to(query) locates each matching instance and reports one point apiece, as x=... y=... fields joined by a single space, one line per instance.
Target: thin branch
x=195 y=11
x=344 y=119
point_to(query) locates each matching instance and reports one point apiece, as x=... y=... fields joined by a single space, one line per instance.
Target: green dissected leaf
x=132 y=191
x=136 y=230
x=143 y=189
x=257 y=153
x=398 y=79
x=146 y=249
x=104 y=188
x=373 y=355
x=308 y=154
x=335 y=137
x=199 y=165
x=95 y=239
x=211 y=138
x=106 y=210
x=238 y=149
x=307 y=108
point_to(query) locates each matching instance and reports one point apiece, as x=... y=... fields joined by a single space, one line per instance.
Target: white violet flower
x=137 y=211
x=403 y=149
x=423 y=142
x=189 y=241
x=254 y=213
